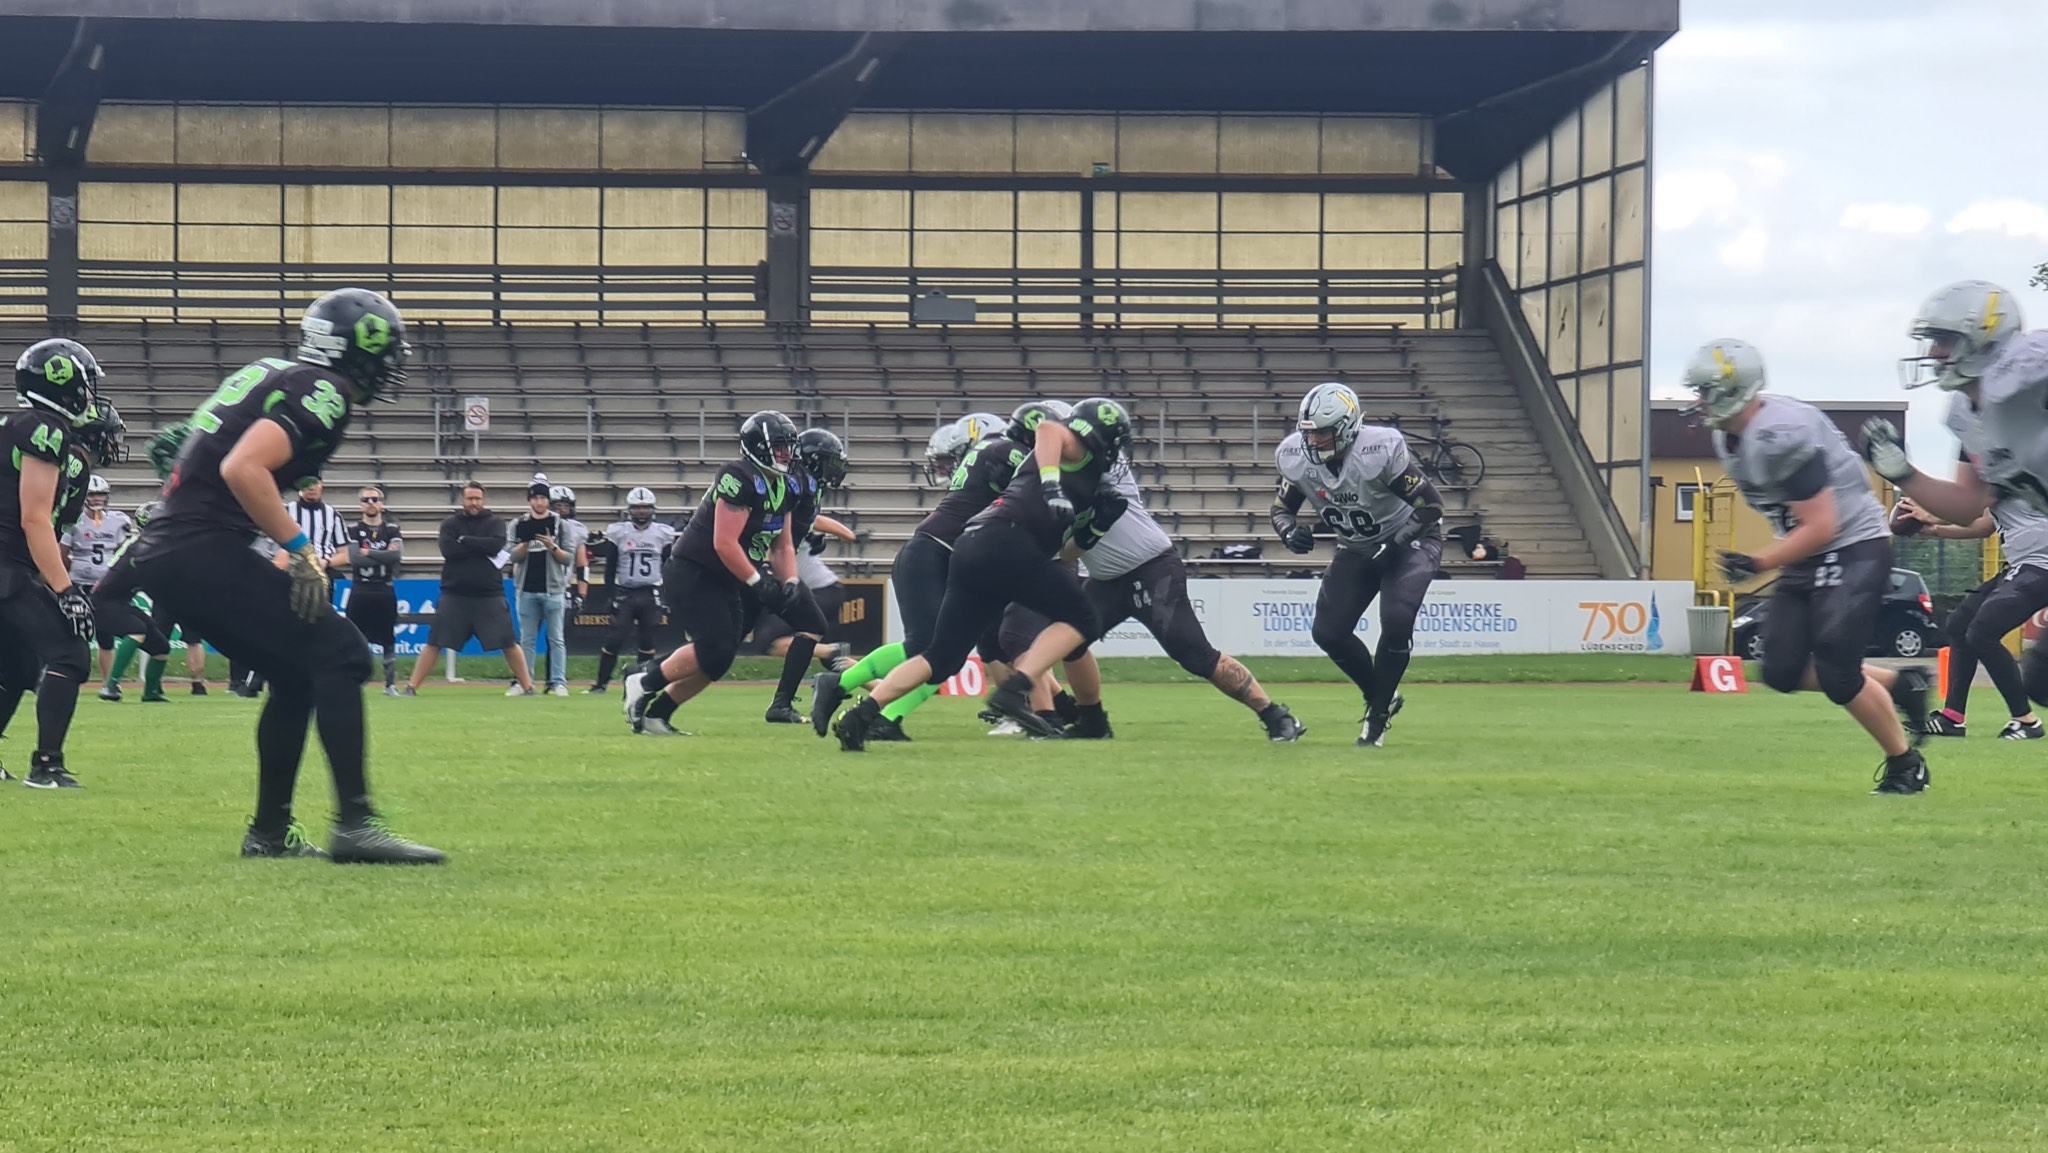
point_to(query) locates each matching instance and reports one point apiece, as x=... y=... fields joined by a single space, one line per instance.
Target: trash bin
x=1709 y=624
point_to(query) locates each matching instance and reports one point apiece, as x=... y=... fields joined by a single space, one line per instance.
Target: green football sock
x=904 y=705
x=124 y=652
x=872 y=667
x=153 y=675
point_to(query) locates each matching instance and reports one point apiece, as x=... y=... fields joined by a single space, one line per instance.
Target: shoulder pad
x=1289 y=452
x=2023 y=368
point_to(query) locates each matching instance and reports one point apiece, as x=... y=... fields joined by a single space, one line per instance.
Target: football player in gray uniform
x=1833 y=552
x=635 y=549
x=1359 y=482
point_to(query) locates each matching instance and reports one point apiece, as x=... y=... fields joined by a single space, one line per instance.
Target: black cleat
x=198 y=688
x=1909 y=696
x=1940 y=724
x=826 y=697
x=1280 y=724
x=989 y=717
x=2017 y=730
x=290 y=843
x=1066 y=708
x=154 y=698
x=783 y=713
x=1013 y=700
x=110 y=692
x=1092 y=724
x=1902 y=775
x=1374 y=733
x=851 y=726
x=885 y=729
x=47 y=772
x=370 y=843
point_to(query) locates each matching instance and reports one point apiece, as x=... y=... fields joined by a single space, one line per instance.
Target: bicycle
x=1448 y=463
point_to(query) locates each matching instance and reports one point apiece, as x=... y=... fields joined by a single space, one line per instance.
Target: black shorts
x=994 y=563
x=34 y=631
x=636 y=615
x=458 y=618
x=1155 y=594
x=160 y=616
x=824 y=603
x=919 y=579
x=243 y=604
x=1823 y=610
x=373 y=607
x=1998 y=606
x=115 y=616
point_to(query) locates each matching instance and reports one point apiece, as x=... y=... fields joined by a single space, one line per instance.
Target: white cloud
x=1746 y=250
x=1744 y=43
x=1685 y=199
x=1886 y=218
x=2009 y=217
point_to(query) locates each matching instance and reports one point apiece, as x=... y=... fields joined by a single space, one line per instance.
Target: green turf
x=1616 y=917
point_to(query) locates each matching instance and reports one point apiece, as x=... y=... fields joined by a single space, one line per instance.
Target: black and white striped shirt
x=321 y=524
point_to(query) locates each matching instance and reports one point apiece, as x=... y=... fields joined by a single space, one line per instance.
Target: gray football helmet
x=1724 y=376
x=942 y=453
x=1331 y=408
x=1961 y=329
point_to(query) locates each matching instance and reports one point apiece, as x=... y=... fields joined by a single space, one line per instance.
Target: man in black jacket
x=472 y=594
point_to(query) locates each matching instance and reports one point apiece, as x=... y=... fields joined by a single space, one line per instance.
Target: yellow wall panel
x=1564 y=149
x=833 y=247
x=1446 y=250
x=229 y=243
x=547 y=207
x=1373 y=146
x=1592 y=413
x=940 y=249
x=725 y=137
x=332 y=244
x=1272 y=212
x=1595 y=316
x=321 y=204
x=577 y=246
x=136 y=242
x=1536 y=167
x=1628 y=221
x=1564 y=234
x=654 y=208
x=867 y=142
x=139 y=203
x=1628 y=315
x=1596 y=237
x=653 y=246
x=641 y=140
x=1069 y=145
x=1561 y=339
x=1049 y=211
x=1627 y=486
x=1272 y=250
x=1535 y=258
x=1373 y=212
x=430 y=204
x=1166 y=144
x=16 y=126
x=1628 y=413
x=1270 y=144
x=961 y=142
x=1137 y=250
x=229 y=204
x=134 y=134
x=740 y=208
x=1048 y=250
x=444 y=137
x=24 y=242
x=337 y=137
x=734 y=246
x=441 y=245
x=24 y=200
x=966 y=211
x=856 y=208
x=1368 y=251
x=1631 y=116
x=1507 y=243
x=238 y=134
x=1168 y=212
x=532 y=139
x=1597 y=140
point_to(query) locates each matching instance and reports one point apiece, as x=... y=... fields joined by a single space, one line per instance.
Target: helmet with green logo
x=58 y=376
x=1109 y=434
x=104 y=435
x=1025 y=420
x=360 y=335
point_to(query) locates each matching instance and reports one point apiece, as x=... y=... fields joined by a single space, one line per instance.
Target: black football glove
x=1057 y=504
x=1298 y=537
x=815 y=542
x=773 y=595
x=77 y=611
x=1737 y=567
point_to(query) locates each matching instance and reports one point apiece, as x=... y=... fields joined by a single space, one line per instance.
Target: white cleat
x=1008 y=728
x=631 y=702
x=656 y=727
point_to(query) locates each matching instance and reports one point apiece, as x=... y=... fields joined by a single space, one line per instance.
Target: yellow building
x=1682 y=458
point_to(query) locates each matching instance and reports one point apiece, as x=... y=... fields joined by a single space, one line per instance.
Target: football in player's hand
x=1904 y=523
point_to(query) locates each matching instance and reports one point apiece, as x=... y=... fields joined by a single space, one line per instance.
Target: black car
x=1905 y=626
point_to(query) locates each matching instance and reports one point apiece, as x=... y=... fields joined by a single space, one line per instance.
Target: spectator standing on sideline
x=329 y=534
x=542 y=560
x=576 y=539
x=472 y=594
x=375 y=548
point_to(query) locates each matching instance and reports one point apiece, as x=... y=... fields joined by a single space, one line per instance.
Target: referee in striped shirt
x=329 y=534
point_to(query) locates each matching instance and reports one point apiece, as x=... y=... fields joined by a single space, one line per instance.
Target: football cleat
x=1902 y=775
x=1909 y=696
x=1374 y=732
x=990 y=717
x=2017 y=730
x=4 y=774
x=1005 y=727
x=886 y=729
x=1013 y=700
x=392 y=691
x=408 y=691
x=783 y=713
x=1280 y=724
x=370 y=843
x=1942 y=723
x=636 y=709
x=656 y=727
x=51 y=776
x=290 y=843
x=826 y=697
x=110 y=693
x=1091 y=724
x=154 y=698
x=851 y=726
x=521 y=691
x=198 y=688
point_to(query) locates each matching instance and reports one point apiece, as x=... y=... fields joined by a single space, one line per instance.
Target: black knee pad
x=71 y=661
x=1841 y=680
x=716 y=659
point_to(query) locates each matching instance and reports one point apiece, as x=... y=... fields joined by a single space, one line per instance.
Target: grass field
x=1544 y=917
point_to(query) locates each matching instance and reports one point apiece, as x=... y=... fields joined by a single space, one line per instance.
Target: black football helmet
x=164 y=447
x=768 y=438
x=59 y=376
x=1024 y=422
x=823 y=456
x=360 y=335
x=104 y=435
x=1109 y=423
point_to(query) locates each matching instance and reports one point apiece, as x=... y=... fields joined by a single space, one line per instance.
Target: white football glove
x=1882 y=449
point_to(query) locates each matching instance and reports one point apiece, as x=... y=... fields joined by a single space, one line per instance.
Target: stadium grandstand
x=630 y=225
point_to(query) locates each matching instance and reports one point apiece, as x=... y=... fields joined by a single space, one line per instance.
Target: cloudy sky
x=1822 y=165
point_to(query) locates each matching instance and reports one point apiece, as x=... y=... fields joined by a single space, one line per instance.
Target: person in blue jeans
x=542 y=558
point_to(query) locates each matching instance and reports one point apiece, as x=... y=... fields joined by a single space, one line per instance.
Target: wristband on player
x=298 y=542
x=755 y=579
x=1049 y=475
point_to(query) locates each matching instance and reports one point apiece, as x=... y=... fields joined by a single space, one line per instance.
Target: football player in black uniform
x=267 y=428
x=375 y=549
x=981 y=471
x=45 y=620
x=821 y=468
x=714 y=584
x=1008 y=553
